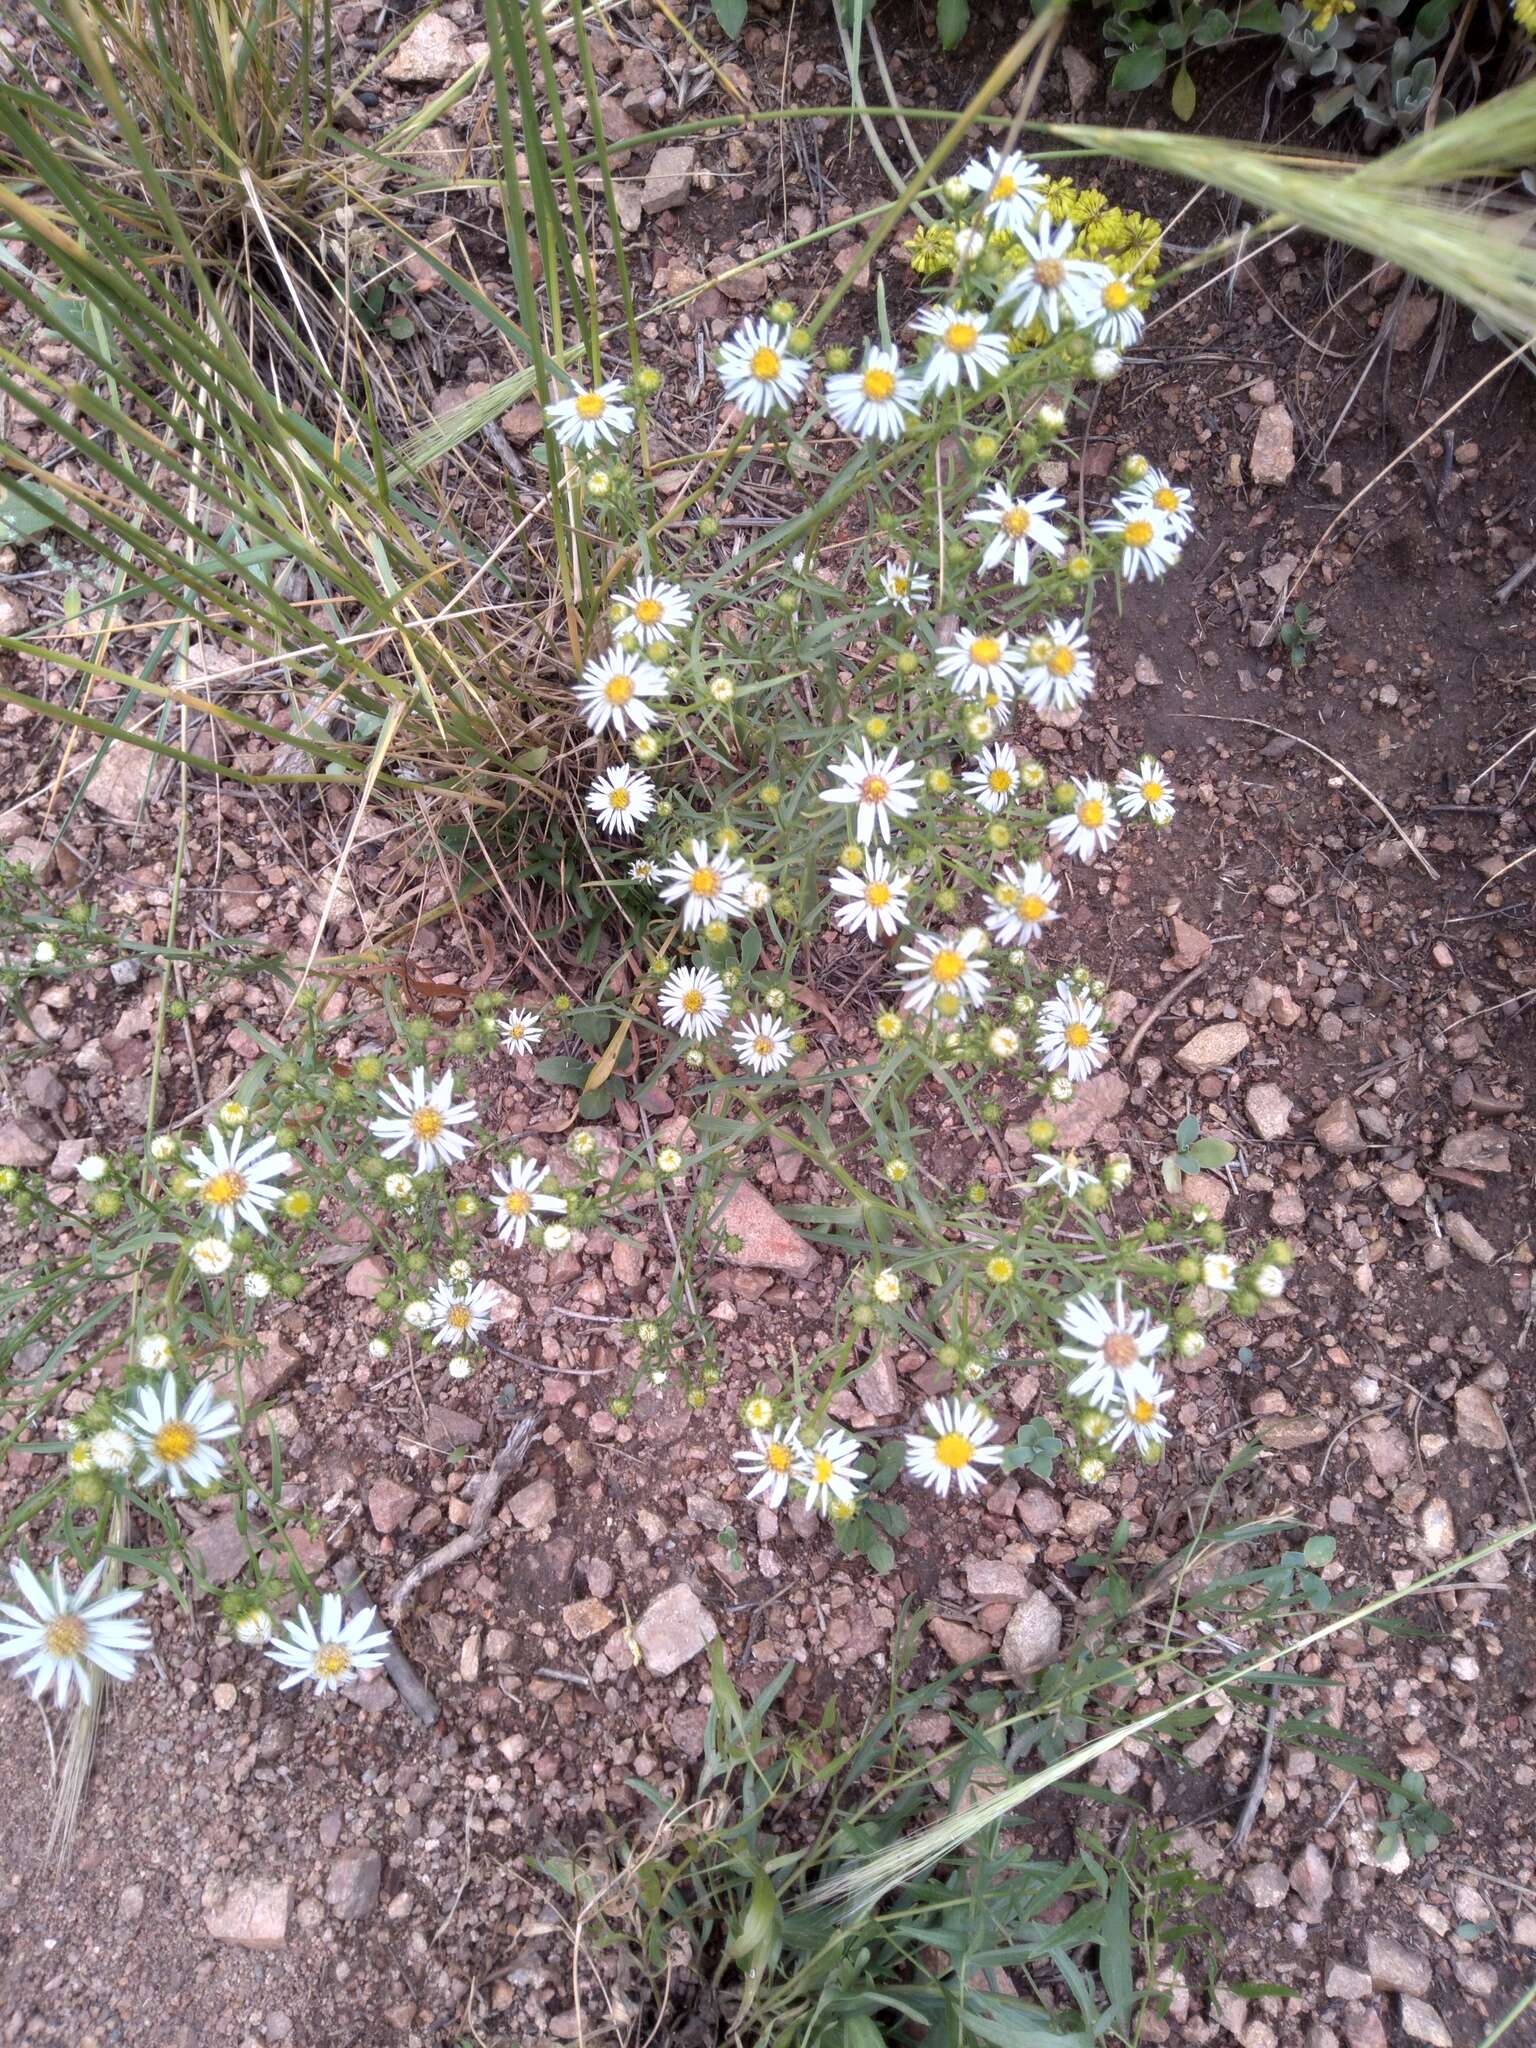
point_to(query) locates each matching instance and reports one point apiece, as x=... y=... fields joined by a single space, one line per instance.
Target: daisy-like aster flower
x=1042 y=289
x=424 y=1117
x=1012 y=189
x=644 y=870
x=875 y=402
x=1023 y=524
x=617 y=690
x=980 y=665
x=653 y=611
x=1091 y=825
x=773 y=1457
x=1106 y=305
x=66 y=1638
x=958 y=1442
x=518 y=1201
x=943 y=976
x=1021 y=900
x=1145 y=788
x=875 y=897
x=1062 y=1170
x=694 y=1002
x=112 y=1450
x=211 y=1256
x=706 y=885
x=758 y=372
x=1219 y=1272
x=992 y=782
x=520 y=1030
x=1144 y=538
x=963 y=346
x=237 y=1184
x=1106 y=1340
x=1067 y=1034
x=904 y=586
x=460 y=1313
x=762 y=1043
x=621 y=799
x=1138 y=1410
x=1170 y=499
x=882 y=785
x=828 y=1471
x=179 y=1440
x=587 y=418
x=1059 y=674
x=330 y=1652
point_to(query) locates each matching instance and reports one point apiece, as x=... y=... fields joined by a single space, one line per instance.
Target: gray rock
x=673 y=1630
x=449 y=1430
x=1467 y=1238
x=1422 y=2023
x=533 y=1506
x=1216 y=1046
x=1337 y=1130
x=352 y=1884
x=254 y=1914
x=1478 y=1422
x=878 y=1387
x=1437 y=1530
x=1273 y=455
x=431 y=54
x=997 y=1578
x=669 y=179
x=1312 y=1879
x=1264 y=1885
x=1483 y=1149
x=19 y=1148
x=1269 y=1110
x=1403 y=1188
x=130 y=1904
x=1032 y=1638
x=1344 y=1981
x=1394 y=1966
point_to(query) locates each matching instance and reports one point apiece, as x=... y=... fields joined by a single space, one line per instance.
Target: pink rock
x=364 y=1278
x=1095 y=1102
x=390 y=1505
x=766 y=1239
x=254 y=1914
x=18 y=1148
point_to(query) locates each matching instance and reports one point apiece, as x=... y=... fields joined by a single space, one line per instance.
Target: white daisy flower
x=905 y=586
x=80 y=1458
x=164 y=1146
x=1145 y=787
x=333 y=1652
x=1067 y=1034
x=398 y=1187
x=979 y=665
x=155 y=1350
x=644 y=870
x=1104 y=364
x=45 y=952
x=1012 y=189
x=1268 y=1282
x=875 y=402
x=178 y=1440
x=1003 y=1042
x=963 y=346
x=1021 y=902
x=424 y=1117
x=1092 y=824
x=460 y=1367
x=653 y=611
x=1042 y=289
x=557 y=1237
x=92 y=1168
x=112 y=1450
x=621 y=799
x=67 y=1638
x=1144 y=537
x=256 y=1286
x=1106 y=1341
x=758 y=1412
x=772 y=1458
x=211 y=1256
x=1106 y=305
x=1064 y=1170
x=254 y=1628
x=460 y=1313
x=417 y=1315
x=762 y=1043
x=1175 y=504
x=943 y=976
x=694 y=1002
x=1023 y=524
x=875 y=897
x=237 y=1184
x=617 y=690
x=828 y=1471
x=587 y=418
x=993 y=781
x=706 y=885
x=959 y=1440
x=517 y=1200
x=378 y=1347
x=1059 y=674
x=758 y=372
x=1138 y=1411
x=1219 y=1272
x=883 y=787
x=520 y=1030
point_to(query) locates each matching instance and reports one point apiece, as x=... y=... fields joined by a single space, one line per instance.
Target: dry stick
x=1250 y=1812
x=508 y=1460
x=1218 y=718
x=1160 y=1009
x=406 y=1680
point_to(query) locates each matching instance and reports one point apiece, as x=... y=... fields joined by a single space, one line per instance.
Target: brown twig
x=1250 y=1812
x=1161 y=1008
x=508 y=1460
x=402 y=1674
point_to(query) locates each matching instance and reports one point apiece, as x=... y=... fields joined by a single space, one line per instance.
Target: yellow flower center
x=960 y=336
x=1061 y=661
x=225 y=1189
x=954 y=1450
x=1137 y=533
x=458 y=1317
x=878 y=384
x=946 y=966
x=1117 y=295
x=618 y=799
x=900 y=585
x=590 y=405
x=65 y=1637
x=1121 y=1350
x=1153 y=792
x=647 y=611
x=427 y=1124
x=517 y=1203
x=1142 y=1410
x=332 y=1660
x=1166 y=499
x=765 y=365
x=693 y=1001
x=1016 y=522
x=1050 y=273
x=704 y=882
x=1090 y=812
x=1033 y=908
x=877 y=895
x=779 y=1457
x=1006 y=186
x=822 y=1469
x=874 y=789
x=174 y=1442
x=763 y=1047
x=1077 y=1034
x=986 y=651
x=619 y=689
x=1000 y=782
